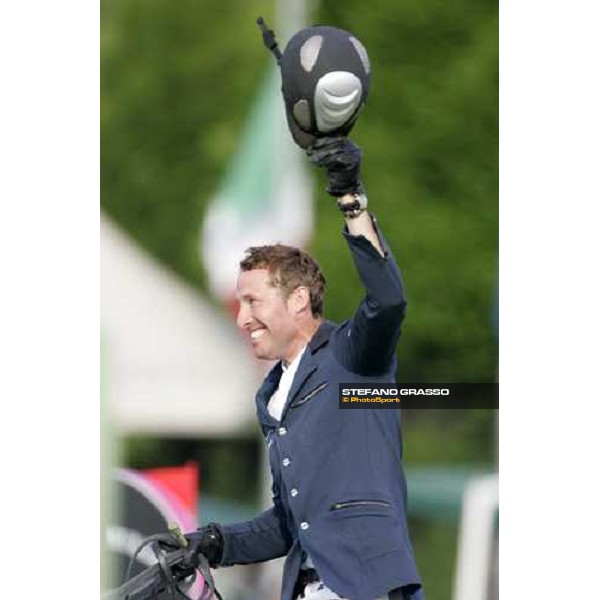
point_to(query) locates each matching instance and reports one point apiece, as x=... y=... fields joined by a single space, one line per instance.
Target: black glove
x=341 y=158
x=207 y=541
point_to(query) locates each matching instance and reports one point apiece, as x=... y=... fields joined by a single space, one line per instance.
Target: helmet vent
x=310 y=52
x=362 y=52
x=301 y=112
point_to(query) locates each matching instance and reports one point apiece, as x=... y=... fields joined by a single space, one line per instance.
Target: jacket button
x=304 y=525
x=285 y=462
x=294 y=492
x=282 y=431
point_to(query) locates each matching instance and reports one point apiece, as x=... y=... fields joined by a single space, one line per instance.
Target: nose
x=243 y=316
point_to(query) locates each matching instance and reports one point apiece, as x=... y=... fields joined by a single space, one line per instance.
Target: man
x=339 y=493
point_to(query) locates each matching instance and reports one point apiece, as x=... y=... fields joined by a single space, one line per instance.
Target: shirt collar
x=295 y=362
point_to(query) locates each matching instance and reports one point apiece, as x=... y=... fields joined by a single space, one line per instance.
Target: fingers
x=190 y=561
x=331 y=151
x=329 y=142
x=340 y=142
x=328 y=146
x=334 y=159
x=325 y=157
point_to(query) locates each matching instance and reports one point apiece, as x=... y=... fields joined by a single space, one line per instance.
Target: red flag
x=181 y=482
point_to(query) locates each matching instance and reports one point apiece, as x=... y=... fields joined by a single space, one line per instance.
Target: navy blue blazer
x=339 y=491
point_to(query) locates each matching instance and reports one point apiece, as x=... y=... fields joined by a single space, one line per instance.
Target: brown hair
x=290 y=268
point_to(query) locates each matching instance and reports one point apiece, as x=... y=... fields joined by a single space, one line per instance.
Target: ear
x=299 y=300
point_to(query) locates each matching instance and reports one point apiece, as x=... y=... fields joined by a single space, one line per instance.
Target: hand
x=207 y=541
x=341 y=158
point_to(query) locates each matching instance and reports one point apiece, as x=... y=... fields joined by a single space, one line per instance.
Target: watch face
x=359 y=202
x=362 y=199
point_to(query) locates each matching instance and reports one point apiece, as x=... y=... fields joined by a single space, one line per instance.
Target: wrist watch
x=353 y=209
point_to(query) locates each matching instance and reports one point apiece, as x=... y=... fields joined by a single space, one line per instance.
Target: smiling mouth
x=257 y=334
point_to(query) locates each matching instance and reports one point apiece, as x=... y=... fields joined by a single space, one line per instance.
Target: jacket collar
x=321 y=336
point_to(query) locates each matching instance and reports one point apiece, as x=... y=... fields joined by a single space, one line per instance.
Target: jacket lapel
x=309 y=363
x=306 y=370
x=264 y=394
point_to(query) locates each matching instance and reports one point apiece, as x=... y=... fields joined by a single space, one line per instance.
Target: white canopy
x=172 y=363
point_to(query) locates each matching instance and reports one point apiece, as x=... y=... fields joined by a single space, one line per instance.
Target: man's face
x=264 y=315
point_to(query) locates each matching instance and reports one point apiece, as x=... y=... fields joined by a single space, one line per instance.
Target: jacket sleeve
x=263 y=538
x=366 y=344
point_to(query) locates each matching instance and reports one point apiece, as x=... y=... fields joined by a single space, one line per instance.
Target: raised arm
x=366 y=345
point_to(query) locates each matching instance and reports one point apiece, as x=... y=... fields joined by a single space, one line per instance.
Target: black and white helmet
x=326 y=76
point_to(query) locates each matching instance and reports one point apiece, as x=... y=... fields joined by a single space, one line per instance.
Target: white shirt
x=277 y=400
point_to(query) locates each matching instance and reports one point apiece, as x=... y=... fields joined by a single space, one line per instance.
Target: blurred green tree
x=176 y=83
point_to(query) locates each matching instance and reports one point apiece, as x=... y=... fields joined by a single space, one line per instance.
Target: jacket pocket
x=309 y=396
x=370 y=534
x=361 y=503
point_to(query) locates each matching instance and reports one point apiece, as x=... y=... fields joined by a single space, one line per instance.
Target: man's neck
x=304 y=336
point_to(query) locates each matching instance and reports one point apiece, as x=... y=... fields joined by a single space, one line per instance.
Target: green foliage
x=229 y=467
x=434 y=544
x=177 y=79
x=450 y=436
